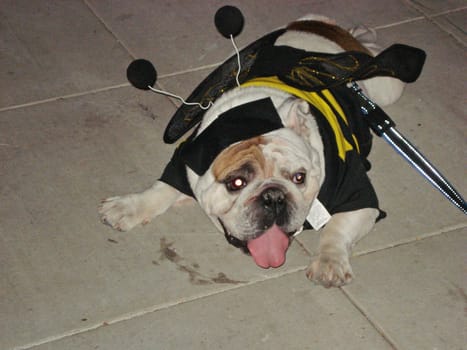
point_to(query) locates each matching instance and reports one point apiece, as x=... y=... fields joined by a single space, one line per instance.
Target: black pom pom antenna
x=229 y=21
x=142 y=74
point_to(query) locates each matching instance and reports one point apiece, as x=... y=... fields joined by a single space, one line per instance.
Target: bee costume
x=344 y=132
x=343 y=115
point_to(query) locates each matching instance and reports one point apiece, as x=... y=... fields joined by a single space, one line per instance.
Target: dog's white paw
x=123 y=213
x=330 y=270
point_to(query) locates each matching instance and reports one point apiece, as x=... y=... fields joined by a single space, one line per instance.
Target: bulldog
x=268 y=160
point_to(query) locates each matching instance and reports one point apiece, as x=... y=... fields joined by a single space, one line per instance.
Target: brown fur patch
x=235 y=156
x=331 y=32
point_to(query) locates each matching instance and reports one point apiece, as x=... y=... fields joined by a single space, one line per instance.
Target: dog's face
x=259 y=191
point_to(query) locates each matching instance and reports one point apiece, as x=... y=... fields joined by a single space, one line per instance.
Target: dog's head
x=260 y=190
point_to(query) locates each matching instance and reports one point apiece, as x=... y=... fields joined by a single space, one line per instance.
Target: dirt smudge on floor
x=191 y=268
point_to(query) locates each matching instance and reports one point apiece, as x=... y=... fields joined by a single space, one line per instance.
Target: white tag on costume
x=318 y=215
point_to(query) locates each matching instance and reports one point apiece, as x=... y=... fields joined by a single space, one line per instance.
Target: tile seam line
x=190 y=70
x=432 y=18
x=422 y=16
x=108 y=28
x=389 y=25
x=433 y=21
x=98 y=90
x=423 y=10
x=145 y=311
x=63 y=97
x=133 y=55
x=356 y=254
x=111 y=32
x=379 y=328
x=196 y=69
x=149 y=310
x=402 y=242
x=370 y=320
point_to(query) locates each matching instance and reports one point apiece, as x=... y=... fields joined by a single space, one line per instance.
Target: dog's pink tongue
x=268 y=250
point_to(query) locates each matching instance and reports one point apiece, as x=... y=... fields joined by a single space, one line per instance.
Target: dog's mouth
x=268 y=249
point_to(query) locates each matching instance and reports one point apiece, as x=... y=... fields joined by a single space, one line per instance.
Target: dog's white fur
x=331 y=267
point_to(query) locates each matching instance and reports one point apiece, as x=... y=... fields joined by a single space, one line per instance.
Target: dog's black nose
x=273 y=200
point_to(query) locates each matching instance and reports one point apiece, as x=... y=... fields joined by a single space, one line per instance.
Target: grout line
x=420 y=8
x=95 y=13
x=372 y=322
x=303 y=246
x=133 y=55
x=459 y=40
x=384 y=26
x=407 y=241
x=104 y=89
x=418 y=18
x=163 y=306
x=57 y=98
x=442 y=13
x=167 y=305
x=212 y=65
x=191 y=70
x=151 y=309
x=360 y=307
x=63 y=97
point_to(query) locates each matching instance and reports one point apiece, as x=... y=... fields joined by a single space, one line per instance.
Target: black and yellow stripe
x=324 y=101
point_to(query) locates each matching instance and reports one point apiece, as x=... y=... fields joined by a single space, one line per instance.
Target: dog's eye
x=298 y=178
x=236 y=184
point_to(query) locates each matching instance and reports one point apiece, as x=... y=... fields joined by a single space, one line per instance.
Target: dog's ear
x=298 y=117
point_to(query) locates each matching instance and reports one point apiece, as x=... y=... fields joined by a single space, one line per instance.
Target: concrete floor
x=72 y=131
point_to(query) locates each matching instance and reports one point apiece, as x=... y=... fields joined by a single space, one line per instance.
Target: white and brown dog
x=306 y=166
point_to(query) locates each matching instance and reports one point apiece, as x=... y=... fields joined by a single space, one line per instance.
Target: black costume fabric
x=346 y=185
x=309 y=71
x=239 y=123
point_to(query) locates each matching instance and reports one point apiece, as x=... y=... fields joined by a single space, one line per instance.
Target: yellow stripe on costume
x=337 y=107
x=321 y=104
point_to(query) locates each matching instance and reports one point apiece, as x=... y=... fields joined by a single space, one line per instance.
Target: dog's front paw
x=123 y=213
x=330 y=270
